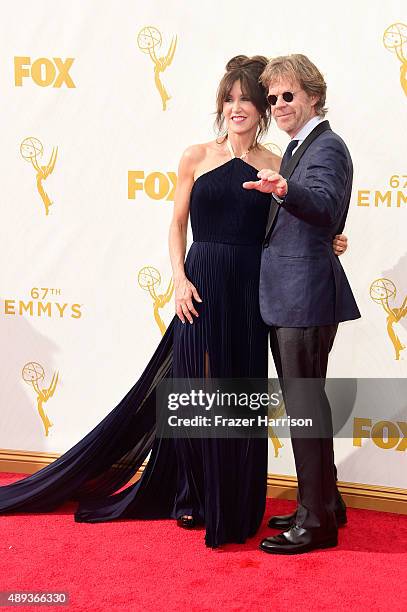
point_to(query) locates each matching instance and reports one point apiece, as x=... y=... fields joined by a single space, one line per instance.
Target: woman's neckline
x=225 y=164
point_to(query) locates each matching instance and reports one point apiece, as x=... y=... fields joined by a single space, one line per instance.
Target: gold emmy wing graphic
x=33 y=373
x=381 y=290
x=149 y=39
x=272 y=435
x=275 y=413
x=395 y=40
x=274 y=148
x=31 y=149
x=148 y=279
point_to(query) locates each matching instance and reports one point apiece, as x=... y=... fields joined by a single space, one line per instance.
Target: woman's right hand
x=184 y=292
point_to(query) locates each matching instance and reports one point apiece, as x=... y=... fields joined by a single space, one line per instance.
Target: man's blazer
x=302 y=282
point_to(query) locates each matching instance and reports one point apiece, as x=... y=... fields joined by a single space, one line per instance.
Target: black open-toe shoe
x=186 y=522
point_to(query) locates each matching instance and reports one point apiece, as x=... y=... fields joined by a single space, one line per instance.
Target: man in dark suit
x=304 y=292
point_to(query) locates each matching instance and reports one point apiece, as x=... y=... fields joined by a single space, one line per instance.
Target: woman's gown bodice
x=223 y=211
x=228 y=226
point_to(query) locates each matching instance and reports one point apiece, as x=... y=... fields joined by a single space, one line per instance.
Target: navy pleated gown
x=221 y=482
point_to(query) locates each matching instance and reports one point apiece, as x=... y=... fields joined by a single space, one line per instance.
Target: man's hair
x=298 y=69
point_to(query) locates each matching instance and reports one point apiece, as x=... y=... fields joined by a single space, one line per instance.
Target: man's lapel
x=289 y=169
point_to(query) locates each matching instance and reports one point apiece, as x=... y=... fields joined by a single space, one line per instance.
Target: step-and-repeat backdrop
x=99 y=99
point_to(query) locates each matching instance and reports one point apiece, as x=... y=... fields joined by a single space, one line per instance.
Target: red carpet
x=154 y=565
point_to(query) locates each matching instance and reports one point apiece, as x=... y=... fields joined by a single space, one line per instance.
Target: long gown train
x=221 y=482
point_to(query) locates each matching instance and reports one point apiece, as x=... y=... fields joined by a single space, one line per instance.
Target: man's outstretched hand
x=270 y=182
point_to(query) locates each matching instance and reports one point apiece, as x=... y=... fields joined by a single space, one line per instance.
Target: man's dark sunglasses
x=288 y=96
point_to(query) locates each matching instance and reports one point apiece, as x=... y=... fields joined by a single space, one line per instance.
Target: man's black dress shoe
x=285 y=521
x=298 y=540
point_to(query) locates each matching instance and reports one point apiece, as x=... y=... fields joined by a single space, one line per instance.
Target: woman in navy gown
x=217 y=332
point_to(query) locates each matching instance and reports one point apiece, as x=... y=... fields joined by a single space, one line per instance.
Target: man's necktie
x=288 y=154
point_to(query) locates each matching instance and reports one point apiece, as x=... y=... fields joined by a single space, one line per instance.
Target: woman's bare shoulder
x=197 y=152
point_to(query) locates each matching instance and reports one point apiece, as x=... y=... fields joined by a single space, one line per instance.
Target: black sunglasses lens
x=288 y=96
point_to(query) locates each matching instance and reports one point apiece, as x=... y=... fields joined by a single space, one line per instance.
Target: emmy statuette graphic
x=33 y=373
x=381 y=291
x=31 y=149
x=149 y=39
x=148 y=279
x=395 y=40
